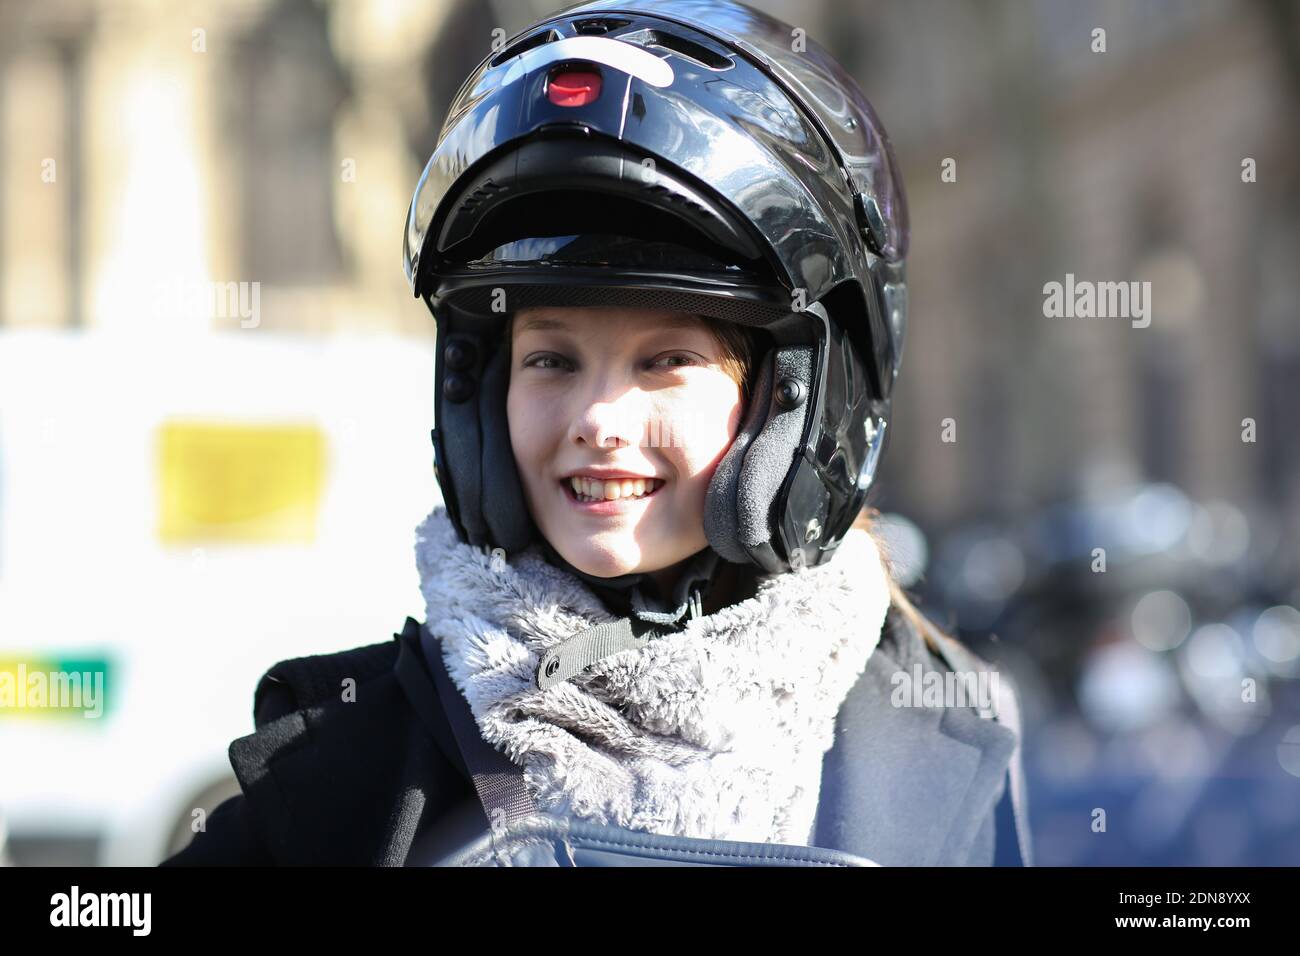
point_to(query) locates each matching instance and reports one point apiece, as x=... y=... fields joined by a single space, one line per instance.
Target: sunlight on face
x=639 y=391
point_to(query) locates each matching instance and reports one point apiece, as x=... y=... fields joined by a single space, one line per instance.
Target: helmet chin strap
x=626 y=594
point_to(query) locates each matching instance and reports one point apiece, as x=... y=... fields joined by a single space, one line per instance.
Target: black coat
x=371 y=781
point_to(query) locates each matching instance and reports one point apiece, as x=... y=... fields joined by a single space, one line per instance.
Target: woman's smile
x=610 y=498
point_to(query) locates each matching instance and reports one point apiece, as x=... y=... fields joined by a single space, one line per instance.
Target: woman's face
x=627 y=391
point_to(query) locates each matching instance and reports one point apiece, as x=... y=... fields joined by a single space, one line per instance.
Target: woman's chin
x=599 y=564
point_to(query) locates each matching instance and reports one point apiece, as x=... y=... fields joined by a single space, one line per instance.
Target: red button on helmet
x=573 y=87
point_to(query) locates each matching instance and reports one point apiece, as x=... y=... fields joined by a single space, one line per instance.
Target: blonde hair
x=929 y=631
x=738 y=346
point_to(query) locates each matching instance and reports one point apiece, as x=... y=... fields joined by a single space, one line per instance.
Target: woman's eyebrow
x=544 y=325
x=541 y=325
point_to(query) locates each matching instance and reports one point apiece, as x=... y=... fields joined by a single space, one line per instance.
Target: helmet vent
x=487 y=189
x=600 y=25
x=678 y=200
x=524 y=45
x=695 y=52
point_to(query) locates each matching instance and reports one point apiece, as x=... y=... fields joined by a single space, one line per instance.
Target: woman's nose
x=604 y=426
x=611 y=424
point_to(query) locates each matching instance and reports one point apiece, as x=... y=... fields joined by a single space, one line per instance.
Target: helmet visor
x=600 y=249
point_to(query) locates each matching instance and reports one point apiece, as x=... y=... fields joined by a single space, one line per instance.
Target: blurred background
x=216 y=390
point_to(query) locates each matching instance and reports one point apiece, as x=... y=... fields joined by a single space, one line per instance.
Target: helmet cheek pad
x=473 y=458
x=777 y=497
x=744 y=488
x=505 y=511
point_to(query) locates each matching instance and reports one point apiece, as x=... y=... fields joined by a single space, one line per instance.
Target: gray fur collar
x=716 y=731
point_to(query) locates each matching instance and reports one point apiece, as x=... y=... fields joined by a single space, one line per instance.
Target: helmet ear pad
x=504 y=510
x=738 y=503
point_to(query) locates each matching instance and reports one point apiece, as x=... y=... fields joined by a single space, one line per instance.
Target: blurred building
x=1117 y=166
x=148 y=147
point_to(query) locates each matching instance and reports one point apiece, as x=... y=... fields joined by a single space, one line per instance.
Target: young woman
x=664 y=248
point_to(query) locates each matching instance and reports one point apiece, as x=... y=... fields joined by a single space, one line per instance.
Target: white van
x=177 y=514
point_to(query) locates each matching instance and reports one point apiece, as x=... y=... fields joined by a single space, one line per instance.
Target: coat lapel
x=909 y=786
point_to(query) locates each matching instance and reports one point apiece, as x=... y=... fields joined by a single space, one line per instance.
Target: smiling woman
x=618 y=419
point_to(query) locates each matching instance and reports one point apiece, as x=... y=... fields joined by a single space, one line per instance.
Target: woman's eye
x=686 y=359
x=552 y=361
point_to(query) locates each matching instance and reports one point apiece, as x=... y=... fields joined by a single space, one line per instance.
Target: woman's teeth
x=589 y=490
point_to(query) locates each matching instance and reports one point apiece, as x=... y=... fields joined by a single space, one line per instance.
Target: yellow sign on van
x=239 y=482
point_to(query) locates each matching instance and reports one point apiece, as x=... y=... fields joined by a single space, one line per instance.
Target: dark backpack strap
x=498 y=782
x=418 y=686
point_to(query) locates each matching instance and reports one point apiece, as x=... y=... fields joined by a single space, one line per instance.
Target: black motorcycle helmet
x=695 y=156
